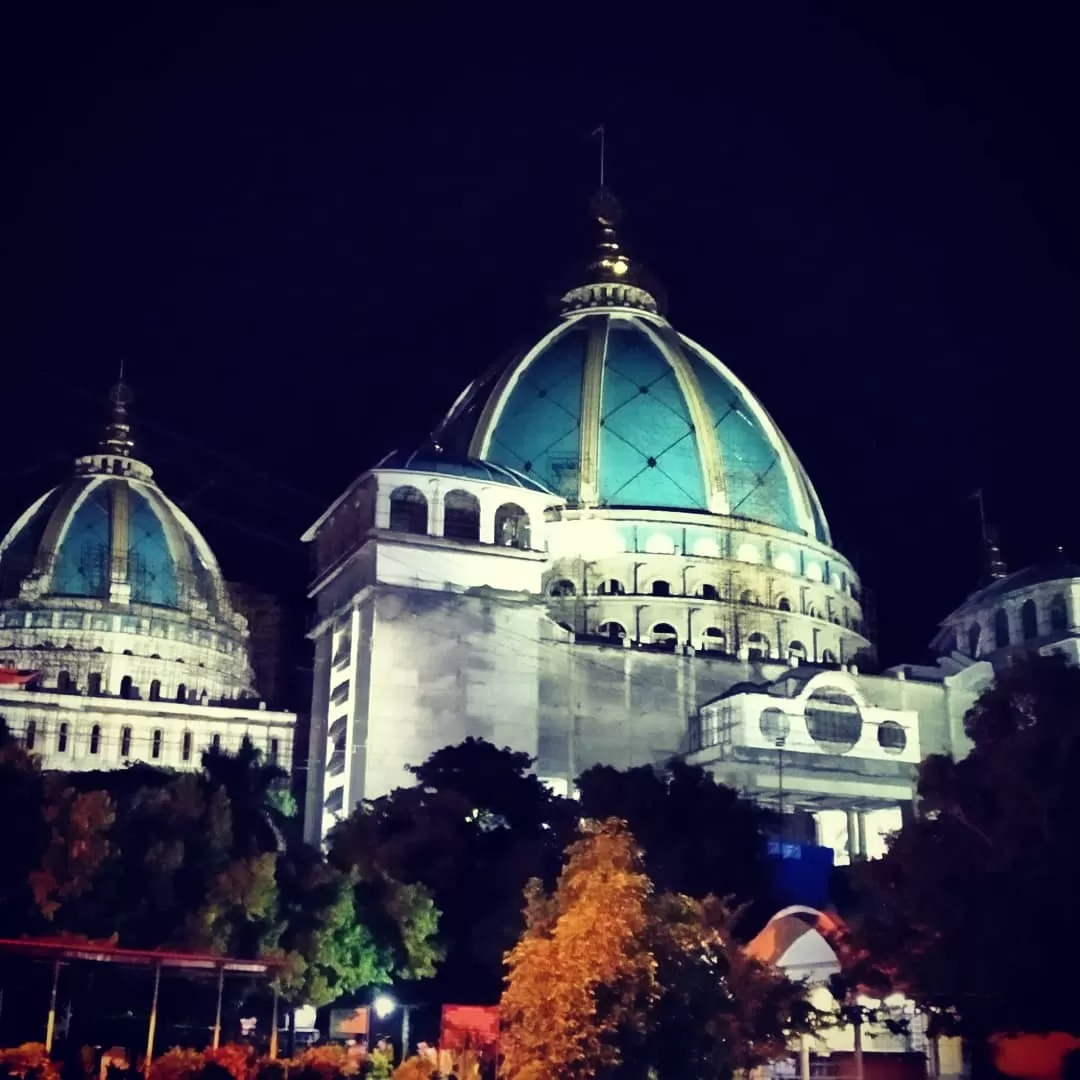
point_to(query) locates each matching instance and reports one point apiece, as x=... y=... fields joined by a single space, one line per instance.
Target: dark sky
x=303 y=228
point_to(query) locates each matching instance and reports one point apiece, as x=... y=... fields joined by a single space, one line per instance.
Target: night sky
x=304 y=228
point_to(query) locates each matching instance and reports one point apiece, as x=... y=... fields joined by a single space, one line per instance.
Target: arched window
x=664 y=634
x=757 y=646
x=461 y=516
x=748 y=597
x=611 y=629
x=661 y=588
x=562 y=587
x=748 y=553
x=709 y=592
x=155 y=743
x=660 y=544
x=512 y=527
x=62 y=738
x=93 y=684
x=126 y=687
x=274 y=751
x=796 y=652
x=63 y=682
x=31 y=734
x=783 y=604
x=828 y=657
x=611 y=587
x=408 y=511
x=185 y=747
x=714 y=640
x=155 y=690
x=215 y=742
x=1029 y=620
x=974 y=634
x=1059 y=614
x=1001 y=628
x=95 y=739
x=125 y=742
x=181 y=693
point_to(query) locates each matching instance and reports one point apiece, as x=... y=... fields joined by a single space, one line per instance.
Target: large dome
x=614 y=409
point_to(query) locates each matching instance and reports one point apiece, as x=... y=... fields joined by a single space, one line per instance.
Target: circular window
x=774 y=724
x=833 y=720
x=891 y=737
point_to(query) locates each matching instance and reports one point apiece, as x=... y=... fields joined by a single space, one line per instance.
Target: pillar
x=861 y=818
x=854 y=853
x=152 y=1026
x=274 y=1027
x=50 y=1024
x=217 y=1015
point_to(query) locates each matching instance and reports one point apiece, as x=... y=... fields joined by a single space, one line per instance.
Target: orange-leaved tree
x=612 y=980
x=582 y=977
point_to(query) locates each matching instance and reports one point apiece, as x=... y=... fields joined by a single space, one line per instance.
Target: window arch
x=125 y=741
x=461 y=516
x=828 y=657
x=748 y=553
x=62 y=738
x=31 y=734
x=93 y=684
x=95 y=739
x=1059 y=614
x=181 y=693
x=796 y=652
x=974 y=634
x=215 y=741
x=275 y=752
x=664 y=634
x=757 y=646
x=611 y=587
x=1001 y=628
x=661 y=588
x=408 y=511
x=783 y=604
x=708 y=591
x=155 y=690
x=714 y=639
x=156 y=741
x=562 y=587
x=611 y=629
x=127 y=687
x=185 y=746
x=748 y=597
x=1029 y=620
x=64 y=684
x=512 y=527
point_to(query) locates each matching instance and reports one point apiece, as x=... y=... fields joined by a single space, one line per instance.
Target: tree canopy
x=475 y=828
x=612 y=979
x=664 y=809
x=970 y=911
x=206 y=861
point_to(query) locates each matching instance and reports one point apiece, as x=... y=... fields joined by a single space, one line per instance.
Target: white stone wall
x=72 y=733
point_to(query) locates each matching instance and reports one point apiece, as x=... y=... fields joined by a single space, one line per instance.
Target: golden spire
x=612 y=280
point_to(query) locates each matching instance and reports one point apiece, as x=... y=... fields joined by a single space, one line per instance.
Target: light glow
x=384 y=1005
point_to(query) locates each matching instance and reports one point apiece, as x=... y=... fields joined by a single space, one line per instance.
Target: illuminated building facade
x=118 y=640
x=609 y=553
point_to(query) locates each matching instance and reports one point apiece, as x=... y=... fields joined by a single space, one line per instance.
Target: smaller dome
x=111 y=534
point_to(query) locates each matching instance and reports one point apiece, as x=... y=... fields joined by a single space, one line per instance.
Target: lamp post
x=780 y=740
x=384 y=1006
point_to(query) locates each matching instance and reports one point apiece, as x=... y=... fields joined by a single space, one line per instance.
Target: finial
x=603 y=151
x=117 y=439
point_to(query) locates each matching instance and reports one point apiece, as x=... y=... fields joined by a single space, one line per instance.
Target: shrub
x=232 y=1061
x=29 y=1062
x=178 y=1064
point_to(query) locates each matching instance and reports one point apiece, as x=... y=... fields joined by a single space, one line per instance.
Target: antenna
x=978 y=497
x=603 y=151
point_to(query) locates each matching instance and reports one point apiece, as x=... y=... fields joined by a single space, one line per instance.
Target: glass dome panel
x=151 y=567
x=81 y=567
x=648 y=449
x=757 y=483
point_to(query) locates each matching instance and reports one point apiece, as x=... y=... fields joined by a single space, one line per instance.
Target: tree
x=970 y=909
x=613 y=979
x=472 y=832
x=661 y=807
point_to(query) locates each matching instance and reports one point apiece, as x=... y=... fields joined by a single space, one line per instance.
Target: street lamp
x=384 y=1006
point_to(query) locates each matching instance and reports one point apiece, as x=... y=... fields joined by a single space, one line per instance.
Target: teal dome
x=111 y=534
x=83 y=540
x=613 y=408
